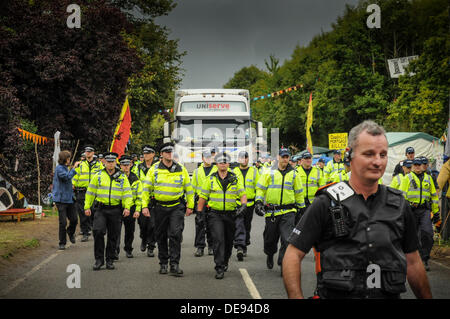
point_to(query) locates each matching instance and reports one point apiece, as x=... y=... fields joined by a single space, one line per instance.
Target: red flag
x=122 y=133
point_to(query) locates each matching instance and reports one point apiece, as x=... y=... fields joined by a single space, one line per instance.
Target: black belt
x=170 y=202
x=417 y=206
x=223 y=212
x=80 y=189
x=101 y=205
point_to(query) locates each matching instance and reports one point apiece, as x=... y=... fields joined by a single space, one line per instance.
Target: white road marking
x=32 y=271
x=438 y=263
x=249 y=283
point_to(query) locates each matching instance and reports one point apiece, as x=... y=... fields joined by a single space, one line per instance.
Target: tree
x=71 y=80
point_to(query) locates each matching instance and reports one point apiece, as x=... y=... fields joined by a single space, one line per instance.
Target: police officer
x=202 y=231
x=221 y=191
x=427 y=170
x=410 y=155
x=168 y=182
x=312 y=180
x=243 y=225
x=397 y=179
x=293 y=161
x=364 y=232
x=321 y=164
x=147 y=224
x=282 y=190
x=335 y=165
x=85 y=171
x=111 y=189
x=129 y=221
x=101 y=159
x=418 y=189
x=340 y=176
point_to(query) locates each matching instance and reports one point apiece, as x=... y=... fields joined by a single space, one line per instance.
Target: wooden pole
x=39 y=174
x=75 y=153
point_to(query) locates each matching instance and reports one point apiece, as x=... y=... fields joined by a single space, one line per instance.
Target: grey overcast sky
x=223 y=36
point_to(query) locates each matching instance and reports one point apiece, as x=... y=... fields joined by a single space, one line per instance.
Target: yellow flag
x=309 y=120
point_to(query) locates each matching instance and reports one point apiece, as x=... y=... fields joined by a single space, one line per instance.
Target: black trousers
x=79 y=207
x=66 y=212
x=243 y=225
x=147 y=230
x=130 y=225
x=169 y=226
x=424 y=232
x=106 y=221
x=202 y=231
x=280 y=228
x=222 y=227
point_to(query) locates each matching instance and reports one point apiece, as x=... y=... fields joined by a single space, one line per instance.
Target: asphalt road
x=139 y=278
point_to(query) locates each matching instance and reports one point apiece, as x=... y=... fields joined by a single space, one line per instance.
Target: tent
x=423 y=143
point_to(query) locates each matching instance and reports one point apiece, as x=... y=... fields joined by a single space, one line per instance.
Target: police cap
x=424 y=160
x=110 y=156
x=146 y=149
x=100 y=156
x=222 y=157
x=417 y=161
x=322 y=160
x=206 y=153
x=407 y=163
x=243 y=154
x=167 y=147
x=306 y=155
x=125 y=160
x=284 y=152
x=89 y=148
x=409 y=150
x=336 y=152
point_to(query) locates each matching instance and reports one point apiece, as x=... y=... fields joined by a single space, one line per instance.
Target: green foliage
x=347 y=72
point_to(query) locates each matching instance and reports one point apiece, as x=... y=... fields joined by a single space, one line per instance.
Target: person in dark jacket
x=63 y=198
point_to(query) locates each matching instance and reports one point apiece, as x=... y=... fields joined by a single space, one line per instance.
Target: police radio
x=348 y=154
x=338 y=218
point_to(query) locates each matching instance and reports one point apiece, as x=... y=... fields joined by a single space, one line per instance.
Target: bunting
x=37 y=139
x=166 y=110
x=273 y=94
x=309 y=121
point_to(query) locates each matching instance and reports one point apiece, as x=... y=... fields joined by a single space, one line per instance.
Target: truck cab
x=212 y=118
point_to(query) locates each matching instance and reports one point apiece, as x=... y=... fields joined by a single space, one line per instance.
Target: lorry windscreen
x=213 y=130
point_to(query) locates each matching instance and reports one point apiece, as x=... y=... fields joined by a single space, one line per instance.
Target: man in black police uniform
x=364 y=233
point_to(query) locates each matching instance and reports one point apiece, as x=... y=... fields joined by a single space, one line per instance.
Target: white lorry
x=213 y=118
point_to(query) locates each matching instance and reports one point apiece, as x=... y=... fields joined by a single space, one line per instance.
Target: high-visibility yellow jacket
x=277 y=189
x=397 y=181
x=220 y=199
x=331 y=168
x=312 y=182
x=85 y=171
x=250 y=181
x=337 y=177
x=136 y=189
x=199 y=177
x=167 y=186
x=109 y=189
x=419 y=192
x=142 y=170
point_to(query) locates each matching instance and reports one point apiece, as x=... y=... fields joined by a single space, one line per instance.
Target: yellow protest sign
x=337 y=141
